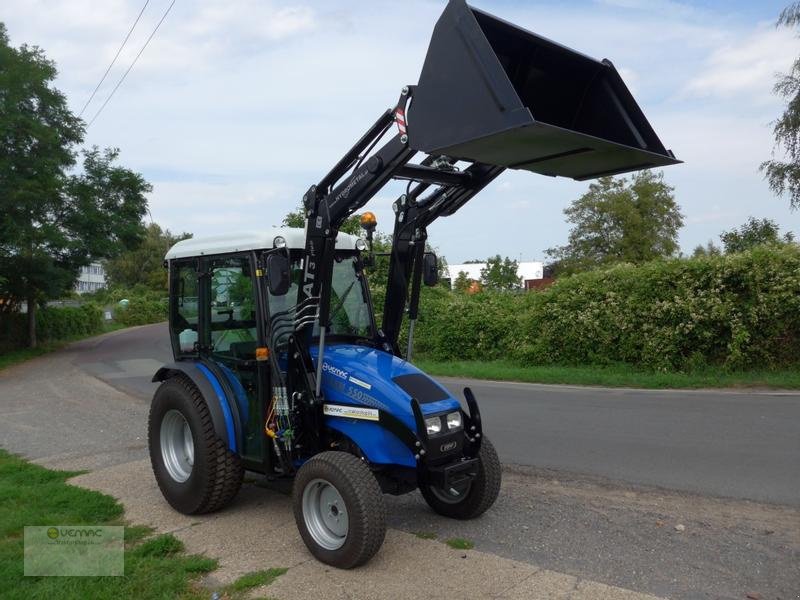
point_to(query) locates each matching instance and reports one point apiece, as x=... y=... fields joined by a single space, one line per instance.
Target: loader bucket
x=493 y=92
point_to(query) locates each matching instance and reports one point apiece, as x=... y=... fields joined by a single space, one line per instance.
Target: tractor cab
x=223 y=312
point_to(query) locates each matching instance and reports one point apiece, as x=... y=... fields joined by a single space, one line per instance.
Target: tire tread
x=225 y=470
x=483 y=493
x=367 y=516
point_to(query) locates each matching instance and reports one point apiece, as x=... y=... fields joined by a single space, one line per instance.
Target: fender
x=217 y=393
x=378 y=445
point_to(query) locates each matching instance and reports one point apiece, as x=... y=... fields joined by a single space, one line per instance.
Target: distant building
x=91 y=279
x=531 y=273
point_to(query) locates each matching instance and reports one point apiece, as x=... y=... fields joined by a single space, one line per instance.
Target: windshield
x=349 y=311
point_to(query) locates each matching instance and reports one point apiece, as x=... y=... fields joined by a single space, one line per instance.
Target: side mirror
x=278 y=279
x=430 y=269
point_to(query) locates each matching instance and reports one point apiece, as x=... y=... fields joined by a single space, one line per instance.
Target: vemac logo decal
x=335 y=371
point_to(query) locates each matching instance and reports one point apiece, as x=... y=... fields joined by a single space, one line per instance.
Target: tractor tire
x=339 y=510
x=477 y=497
x=194 y=468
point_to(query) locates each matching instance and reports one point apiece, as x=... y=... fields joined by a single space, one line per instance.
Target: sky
x=235 y=109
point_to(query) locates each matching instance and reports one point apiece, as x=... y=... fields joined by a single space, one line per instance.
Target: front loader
x=279 y=366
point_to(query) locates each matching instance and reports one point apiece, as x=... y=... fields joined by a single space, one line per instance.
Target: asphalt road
x=742 y=445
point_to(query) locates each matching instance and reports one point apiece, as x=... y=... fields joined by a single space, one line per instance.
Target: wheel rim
x=325 y=514
x=452 y=495
x=177 y=445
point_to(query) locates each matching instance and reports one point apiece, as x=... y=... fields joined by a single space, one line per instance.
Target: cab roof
x=249 y=240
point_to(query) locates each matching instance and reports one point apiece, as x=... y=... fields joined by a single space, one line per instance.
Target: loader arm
x=413 y=215
x=353 y=182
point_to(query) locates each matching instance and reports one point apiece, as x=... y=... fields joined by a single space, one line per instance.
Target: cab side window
x=184 y=308
x=233 y=308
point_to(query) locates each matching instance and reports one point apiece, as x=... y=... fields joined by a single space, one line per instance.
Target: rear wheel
x=195 y=470
x=339 y=510
x=474 y=497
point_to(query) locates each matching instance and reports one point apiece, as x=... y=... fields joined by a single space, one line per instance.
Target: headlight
x=454 y=420
x=433 y=425
x=279 y=242
x=361 y=245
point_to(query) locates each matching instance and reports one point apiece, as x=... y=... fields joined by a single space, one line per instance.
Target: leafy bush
x=113 y=295
x=454 y=326
x=736 y=311
x=141 y=311
x=52 y=324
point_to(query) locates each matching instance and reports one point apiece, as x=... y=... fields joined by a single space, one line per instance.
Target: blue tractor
x=280 y=368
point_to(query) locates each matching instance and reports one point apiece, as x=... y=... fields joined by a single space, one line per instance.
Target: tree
x=500 y=274
x=144 y=265
x=755 y=232
x=620 y=220
x=462 y=282
x=297 y=218
x=784 y=176
x=381 y=244
x=708 y=250
x=54 y=220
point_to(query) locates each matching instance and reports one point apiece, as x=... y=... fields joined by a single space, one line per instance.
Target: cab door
x=231 y=336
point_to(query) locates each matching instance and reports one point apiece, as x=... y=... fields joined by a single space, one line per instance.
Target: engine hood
x=372 y=378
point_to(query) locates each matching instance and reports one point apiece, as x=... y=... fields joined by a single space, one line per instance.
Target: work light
x=454 y=420
x=279 y=242
x=433 y=425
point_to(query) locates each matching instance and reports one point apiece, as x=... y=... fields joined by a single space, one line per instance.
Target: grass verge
x=255 y=579
x=460 y=544
x=613 y=375
x=14 y=357
x=155 y=567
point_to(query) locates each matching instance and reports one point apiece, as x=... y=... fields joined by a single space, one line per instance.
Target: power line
x=119 y=83
x=116 y=56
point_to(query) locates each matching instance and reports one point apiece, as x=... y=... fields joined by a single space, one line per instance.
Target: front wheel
x=474 y=497
x=339 y=510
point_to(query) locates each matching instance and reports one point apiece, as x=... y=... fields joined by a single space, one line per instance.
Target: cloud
x=664 y=7
x=251 y=19
x=715 y=216
x=631 y=79
x=224 y=206
x=236 y=108
x=747 y=66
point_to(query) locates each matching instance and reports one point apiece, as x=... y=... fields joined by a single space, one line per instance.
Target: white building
x=527 y=271
x=91 y=278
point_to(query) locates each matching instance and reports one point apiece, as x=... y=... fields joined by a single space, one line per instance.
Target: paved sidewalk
x=258 y=532
x=64 y=418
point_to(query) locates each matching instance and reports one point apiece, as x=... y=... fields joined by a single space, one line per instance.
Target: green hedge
x=141 y=311
x=740 y=311
x=52 y=324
